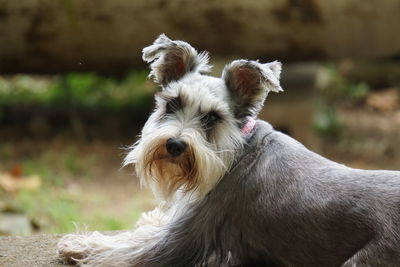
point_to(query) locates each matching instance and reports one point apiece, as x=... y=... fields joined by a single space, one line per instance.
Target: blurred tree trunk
x=108 y=35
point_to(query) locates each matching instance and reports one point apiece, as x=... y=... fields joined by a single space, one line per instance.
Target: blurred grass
x=52 y=210
x=72 y=191
x=55 y=210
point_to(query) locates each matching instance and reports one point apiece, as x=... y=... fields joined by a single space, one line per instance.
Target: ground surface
x=32 y=251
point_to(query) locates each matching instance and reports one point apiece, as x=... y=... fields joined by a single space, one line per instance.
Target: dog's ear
x=171 y=60
x=249 y=83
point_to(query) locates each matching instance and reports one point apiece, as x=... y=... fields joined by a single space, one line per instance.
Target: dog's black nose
x=175 y=147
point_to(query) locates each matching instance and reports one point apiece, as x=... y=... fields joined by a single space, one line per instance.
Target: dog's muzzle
x=175 y=147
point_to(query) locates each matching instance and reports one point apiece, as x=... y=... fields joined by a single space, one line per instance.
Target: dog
x=232 y=191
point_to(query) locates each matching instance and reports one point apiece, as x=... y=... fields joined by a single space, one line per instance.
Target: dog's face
x=192 y=137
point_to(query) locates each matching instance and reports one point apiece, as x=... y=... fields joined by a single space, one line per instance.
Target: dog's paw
x=73 y=248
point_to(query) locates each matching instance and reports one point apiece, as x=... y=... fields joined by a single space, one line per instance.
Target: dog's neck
x=248 y=126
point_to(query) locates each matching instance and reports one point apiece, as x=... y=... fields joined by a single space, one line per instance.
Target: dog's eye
x=210 y=119
x=173 y=105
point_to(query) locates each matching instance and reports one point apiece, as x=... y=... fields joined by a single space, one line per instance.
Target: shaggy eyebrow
x=175 y=102
x=213 y=109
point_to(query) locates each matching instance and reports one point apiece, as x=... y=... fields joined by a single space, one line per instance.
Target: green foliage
x=356 y=92
x=326 y=122
x=337 y=91
x=24 y=89
x=340 y=89
x=78 y=90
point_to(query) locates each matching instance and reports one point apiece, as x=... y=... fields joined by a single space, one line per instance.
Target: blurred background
x=74 y=93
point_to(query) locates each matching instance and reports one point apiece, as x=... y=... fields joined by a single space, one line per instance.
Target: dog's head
x=192 y=137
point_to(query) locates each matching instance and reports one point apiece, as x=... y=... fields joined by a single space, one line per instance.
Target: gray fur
x=282 y=203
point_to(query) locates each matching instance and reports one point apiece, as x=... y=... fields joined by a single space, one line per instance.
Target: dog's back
x=318 y=212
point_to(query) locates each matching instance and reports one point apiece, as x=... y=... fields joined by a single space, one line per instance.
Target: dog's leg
x=374 y=254
x=202 y=236
x=96 y=249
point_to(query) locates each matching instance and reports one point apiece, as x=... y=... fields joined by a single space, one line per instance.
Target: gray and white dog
x=232 y=190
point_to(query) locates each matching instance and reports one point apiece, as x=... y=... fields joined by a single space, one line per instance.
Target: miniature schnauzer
x=233 y=191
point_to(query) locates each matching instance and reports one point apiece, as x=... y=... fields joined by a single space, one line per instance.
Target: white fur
x=214 y=158
x=123 y=249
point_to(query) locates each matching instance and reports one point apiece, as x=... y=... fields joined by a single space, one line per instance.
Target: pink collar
x=249 y=125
